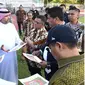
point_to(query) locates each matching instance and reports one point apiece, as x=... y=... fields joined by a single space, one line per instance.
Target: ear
x=57 y=18
x=78 y=16
x=59 y=45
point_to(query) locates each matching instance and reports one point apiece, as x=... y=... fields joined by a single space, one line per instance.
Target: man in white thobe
x=8 y=39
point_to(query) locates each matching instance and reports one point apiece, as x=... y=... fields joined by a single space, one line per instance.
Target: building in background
x=25 y=3
x=13 y=5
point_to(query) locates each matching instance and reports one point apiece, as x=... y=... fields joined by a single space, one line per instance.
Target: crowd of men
x=55 y=37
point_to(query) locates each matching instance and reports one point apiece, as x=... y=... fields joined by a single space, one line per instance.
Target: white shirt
x=8 y=35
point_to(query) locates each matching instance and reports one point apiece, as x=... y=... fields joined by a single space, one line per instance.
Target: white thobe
x=9 y=38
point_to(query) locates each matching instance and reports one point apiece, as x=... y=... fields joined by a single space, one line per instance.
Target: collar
x=67 y=61
x=78 y=23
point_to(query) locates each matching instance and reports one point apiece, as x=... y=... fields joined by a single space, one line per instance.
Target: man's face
x=6 y=19
x=73 y=15
x=51 y=21
x=29 y=16
x=38 y=23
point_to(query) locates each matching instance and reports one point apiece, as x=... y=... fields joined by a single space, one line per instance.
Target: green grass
x=23 y=71
x=81 y=19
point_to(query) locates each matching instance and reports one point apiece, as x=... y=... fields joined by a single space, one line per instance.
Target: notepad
x=35 y=79
x=32 y=57
x=17 y=47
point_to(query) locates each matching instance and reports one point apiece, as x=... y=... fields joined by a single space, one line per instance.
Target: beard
x=6 y=21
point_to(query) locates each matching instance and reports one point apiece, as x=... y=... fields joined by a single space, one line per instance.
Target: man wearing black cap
x=62 y=41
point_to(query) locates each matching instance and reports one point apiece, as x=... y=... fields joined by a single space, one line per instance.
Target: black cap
x=61 y=33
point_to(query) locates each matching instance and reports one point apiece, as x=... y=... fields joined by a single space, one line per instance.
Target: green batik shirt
x=70 y=72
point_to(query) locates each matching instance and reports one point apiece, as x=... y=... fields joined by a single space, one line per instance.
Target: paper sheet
x=32 y=57
x=35 y=79
x=17 y=47
x=4 y=82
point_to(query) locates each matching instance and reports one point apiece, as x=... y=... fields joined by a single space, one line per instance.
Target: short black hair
x=56 y=12
x=71 y=7
x=43 y=18
x=63 y=5
x=74 y=8
x=46 y=10
x=69 y=45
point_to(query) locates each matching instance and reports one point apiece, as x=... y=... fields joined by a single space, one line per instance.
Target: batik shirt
x=38 y=34
x=34 y=34
x=70 y=72
x=28 y=26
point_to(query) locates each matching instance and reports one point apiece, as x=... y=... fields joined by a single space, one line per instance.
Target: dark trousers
x=33 y=70
x=20 y=24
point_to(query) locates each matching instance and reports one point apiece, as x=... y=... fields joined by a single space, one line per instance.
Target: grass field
x=23 y=71
x=81 y=19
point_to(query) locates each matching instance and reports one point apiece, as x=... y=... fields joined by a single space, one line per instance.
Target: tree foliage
x=65 y=1
x=80 y=1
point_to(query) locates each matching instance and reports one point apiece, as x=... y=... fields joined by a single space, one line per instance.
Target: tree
x=65 y=1
x=54 y=1
x=80 y=1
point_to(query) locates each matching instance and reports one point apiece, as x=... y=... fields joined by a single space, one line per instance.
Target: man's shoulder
x=71 y=74
x=74 y=73
x=74 y=66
